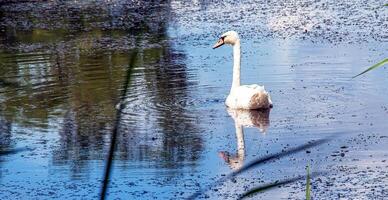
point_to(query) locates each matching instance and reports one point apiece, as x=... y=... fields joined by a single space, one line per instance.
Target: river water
x=63 y=66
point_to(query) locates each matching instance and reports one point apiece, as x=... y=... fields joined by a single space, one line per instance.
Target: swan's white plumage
x=248 y=97
x=242 y=96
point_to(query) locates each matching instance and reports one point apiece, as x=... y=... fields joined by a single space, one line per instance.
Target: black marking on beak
x=219 y=43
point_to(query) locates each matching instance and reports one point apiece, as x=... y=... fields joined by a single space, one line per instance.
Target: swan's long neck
x=236 y=65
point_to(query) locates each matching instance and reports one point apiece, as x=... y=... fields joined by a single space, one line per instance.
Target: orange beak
x=219 y=43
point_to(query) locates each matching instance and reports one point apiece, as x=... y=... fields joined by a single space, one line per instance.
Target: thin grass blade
x=110 y=158
x=308 y=184
x=274 y=185
x=269 y=186
x=383 y=62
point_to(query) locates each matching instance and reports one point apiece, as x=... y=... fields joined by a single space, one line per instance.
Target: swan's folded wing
x=255 y=87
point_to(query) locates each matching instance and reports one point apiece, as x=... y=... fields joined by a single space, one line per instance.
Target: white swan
x=242 y=96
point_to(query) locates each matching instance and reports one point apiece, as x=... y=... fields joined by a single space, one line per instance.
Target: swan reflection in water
x=244 y=118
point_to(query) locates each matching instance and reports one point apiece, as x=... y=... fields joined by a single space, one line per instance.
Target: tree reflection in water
x=68 y=64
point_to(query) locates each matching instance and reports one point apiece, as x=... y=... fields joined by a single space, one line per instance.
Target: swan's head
x=230 y=37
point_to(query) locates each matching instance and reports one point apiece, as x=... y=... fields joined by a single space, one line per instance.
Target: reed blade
x=269 y=186
x=308 y=184
x=110 y=158
x=381 y=63
x=276 y=184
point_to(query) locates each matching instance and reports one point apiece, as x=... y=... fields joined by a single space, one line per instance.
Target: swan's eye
x=223 y=38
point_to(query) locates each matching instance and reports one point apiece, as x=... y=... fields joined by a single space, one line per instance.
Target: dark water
x=63 y=66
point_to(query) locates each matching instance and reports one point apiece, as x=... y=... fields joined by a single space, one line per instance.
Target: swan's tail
x=261 y=100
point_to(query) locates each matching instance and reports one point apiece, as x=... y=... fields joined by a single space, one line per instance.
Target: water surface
x=63 y=67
